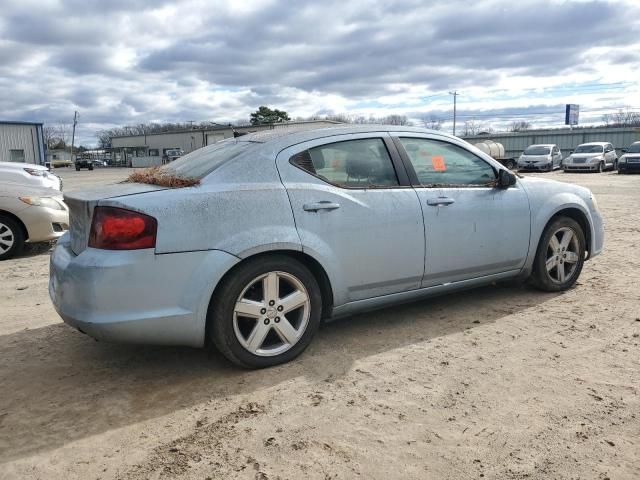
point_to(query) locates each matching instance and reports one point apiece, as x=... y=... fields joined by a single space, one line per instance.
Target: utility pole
x=455 y=96
x=73 y=135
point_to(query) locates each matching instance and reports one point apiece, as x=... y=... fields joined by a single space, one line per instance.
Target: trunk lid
x=81 y=204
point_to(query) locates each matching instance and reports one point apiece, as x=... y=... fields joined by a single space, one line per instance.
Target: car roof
x=542 y=145
x=285 y=136
x=594 y=143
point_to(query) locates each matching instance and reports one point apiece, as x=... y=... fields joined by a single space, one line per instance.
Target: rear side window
x=363 y=163
x=438 y=163
x=200 y=163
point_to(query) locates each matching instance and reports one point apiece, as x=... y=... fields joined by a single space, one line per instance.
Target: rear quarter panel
x=241 y=208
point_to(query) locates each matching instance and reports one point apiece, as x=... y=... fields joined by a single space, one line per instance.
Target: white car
x=29 y=215
x=592 y=157
x=29 y=174
x=545 y=157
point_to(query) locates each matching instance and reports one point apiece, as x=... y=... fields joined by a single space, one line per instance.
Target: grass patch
x=155 y=176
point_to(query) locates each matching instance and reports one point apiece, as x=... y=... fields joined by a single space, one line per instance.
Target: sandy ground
x=499 y=382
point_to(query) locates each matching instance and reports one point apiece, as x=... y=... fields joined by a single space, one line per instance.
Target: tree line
x=58 y=136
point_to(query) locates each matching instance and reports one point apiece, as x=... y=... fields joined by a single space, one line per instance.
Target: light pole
x=455 y=96
x=73 y=135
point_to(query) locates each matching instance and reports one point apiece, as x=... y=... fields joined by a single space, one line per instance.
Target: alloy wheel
x=562 y=255
x=7 y=238
x=271 y=314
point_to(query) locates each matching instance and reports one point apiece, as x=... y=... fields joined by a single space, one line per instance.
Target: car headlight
x=622 y=159
x=46 y=202
x=35 y=172
x=569 y=159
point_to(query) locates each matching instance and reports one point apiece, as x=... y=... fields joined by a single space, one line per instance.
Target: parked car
x=593 y=157
x=630 y=160
x=29 y=174
x=287 y=228
x=544 y=157
x=29 y=214
x=172 y=154
x=83 y=161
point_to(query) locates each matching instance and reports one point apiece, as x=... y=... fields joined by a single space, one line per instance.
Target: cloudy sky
x=124 y=62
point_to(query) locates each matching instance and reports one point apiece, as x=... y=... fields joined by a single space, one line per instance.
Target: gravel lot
x=499 y=382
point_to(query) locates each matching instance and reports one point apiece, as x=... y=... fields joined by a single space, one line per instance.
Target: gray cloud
x=129 y=61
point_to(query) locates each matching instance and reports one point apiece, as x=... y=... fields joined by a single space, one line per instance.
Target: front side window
x=363 y=163
x=16 y=156
x=440 y=163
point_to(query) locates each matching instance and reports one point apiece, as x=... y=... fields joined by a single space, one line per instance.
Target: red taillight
x=119 y=229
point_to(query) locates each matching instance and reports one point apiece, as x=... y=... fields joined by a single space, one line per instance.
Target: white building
x=21 y=142
x=58 y=155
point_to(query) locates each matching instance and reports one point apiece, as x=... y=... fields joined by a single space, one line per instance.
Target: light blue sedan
x=287 y=228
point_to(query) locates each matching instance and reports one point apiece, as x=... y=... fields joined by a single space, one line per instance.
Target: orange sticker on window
x=438 y=164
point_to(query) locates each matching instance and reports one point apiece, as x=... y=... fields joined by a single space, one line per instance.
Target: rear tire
x=272 y=331
x=559 y=258
x=11 y=238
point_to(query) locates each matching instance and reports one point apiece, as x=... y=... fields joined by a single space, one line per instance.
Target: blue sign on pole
x=571 y=114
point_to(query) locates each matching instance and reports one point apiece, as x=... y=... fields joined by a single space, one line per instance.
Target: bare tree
x=622 y=118
x=57 y=135
x=432 y=122
x=395 y=120
x=475 y=127
x=520 y=126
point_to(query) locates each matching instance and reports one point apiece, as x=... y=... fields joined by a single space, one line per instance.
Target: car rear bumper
x=136 y=296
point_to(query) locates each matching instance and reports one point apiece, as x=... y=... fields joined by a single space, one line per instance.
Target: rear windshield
x=537 y=150
x=634 y=148
x=589 y=149
x=200 y=163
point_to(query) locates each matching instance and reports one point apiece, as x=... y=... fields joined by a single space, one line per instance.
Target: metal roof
x=10 y=122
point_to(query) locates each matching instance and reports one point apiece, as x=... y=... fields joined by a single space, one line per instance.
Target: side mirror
x=624 y=150
x=506 y=179
x=571 y=151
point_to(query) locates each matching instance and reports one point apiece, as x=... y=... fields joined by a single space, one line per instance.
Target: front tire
x=560 y=256
x=11 y=238
x=265 y=312
x=601 y=167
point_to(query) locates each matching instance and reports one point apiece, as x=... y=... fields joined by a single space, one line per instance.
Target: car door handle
x=438 y=201
x=323 y=205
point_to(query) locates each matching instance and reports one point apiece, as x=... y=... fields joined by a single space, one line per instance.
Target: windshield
x=589 y=149
x=634 y=148
x=537 y=150
x=200 y=163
